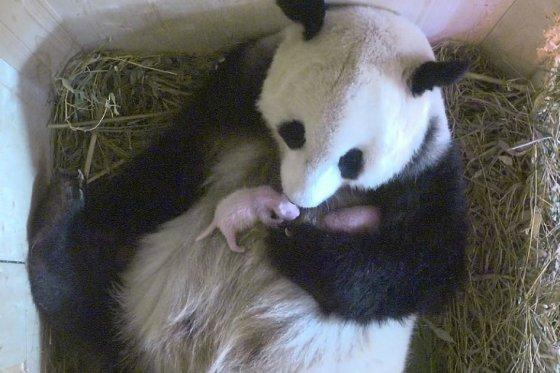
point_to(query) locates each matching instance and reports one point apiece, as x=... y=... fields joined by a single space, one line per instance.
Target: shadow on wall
x=198 y=33
x=198 y=27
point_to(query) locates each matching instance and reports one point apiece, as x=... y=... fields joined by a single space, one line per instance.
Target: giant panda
x=341 y=109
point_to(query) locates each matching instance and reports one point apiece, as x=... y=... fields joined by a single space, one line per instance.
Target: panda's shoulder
x=440 y=183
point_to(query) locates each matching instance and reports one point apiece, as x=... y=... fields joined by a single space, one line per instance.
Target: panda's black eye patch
x=351 y=164
x=293 y=133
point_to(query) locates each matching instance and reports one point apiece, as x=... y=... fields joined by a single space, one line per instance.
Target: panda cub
x=333 y=133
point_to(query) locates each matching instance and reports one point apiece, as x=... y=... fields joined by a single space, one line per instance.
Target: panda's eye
x=351 y=164
x=293 y=133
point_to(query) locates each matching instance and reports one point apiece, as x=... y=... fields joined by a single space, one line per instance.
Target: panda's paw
x=65 y=192
x=69 y=185
x=63 y=197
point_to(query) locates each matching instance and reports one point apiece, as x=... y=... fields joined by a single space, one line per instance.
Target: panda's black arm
x=165 y=180
x=80 y=245
x=154 y=187
x=371 y=278
x=413 y=264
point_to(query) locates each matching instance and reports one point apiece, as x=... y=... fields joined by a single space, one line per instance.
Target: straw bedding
x=508 y=316
x=108 y=106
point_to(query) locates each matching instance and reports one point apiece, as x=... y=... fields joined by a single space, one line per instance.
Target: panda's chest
x=220 y=303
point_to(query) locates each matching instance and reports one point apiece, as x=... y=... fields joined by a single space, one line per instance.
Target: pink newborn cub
x=243 y=208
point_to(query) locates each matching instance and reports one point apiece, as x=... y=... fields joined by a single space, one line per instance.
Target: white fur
x=349 y=87
x=196 y=306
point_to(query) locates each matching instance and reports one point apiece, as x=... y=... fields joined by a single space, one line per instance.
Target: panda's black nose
x=351 y=164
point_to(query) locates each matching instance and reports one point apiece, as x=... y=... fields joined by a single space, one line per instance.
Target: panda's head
x=351 y=98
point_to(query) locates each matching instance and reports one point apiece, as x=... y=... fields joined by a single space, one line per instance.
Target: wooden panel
x=440 y=19
x=195 y=25
x=23 y=153
x=514 y=41
x=31 y=35
x=19 y=339
x=201 y=25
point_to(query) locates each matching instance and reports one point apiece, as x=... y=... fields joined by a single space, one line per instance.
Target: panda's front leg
x=245 y=207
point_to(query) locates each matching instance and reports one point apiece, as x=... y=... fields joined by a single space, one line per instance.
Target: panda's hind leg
x=69 y=277
x=49 y=231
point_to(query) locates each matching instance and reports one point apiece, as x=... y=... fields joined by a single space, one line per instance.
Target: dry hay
x=108 y=106
x=508 y=316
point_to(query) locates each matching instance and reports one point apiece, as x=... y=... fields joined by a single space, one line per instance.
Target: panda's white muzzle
x=307 y=187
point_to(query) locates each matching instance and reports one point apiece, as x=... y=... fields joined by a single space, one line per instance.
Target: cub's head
x=352 y=98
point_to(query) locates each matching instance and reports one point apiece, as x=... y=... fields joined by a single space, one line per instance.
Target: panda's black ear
x=309 y=13
x=436 y=74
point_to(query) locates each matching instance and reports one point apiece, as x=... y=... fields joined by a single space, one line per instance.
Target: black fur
x=293 y=134
x=351 y=164
x=427 y=143
x=78 y=250
x=68 y=276
x=413 y=263
x=436 y=74
x=310 y=13
x=74 y=265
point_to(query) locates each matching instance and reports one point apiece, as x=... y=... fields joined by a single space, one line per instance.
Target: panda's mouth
x=347 y=211
x=360 y=219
